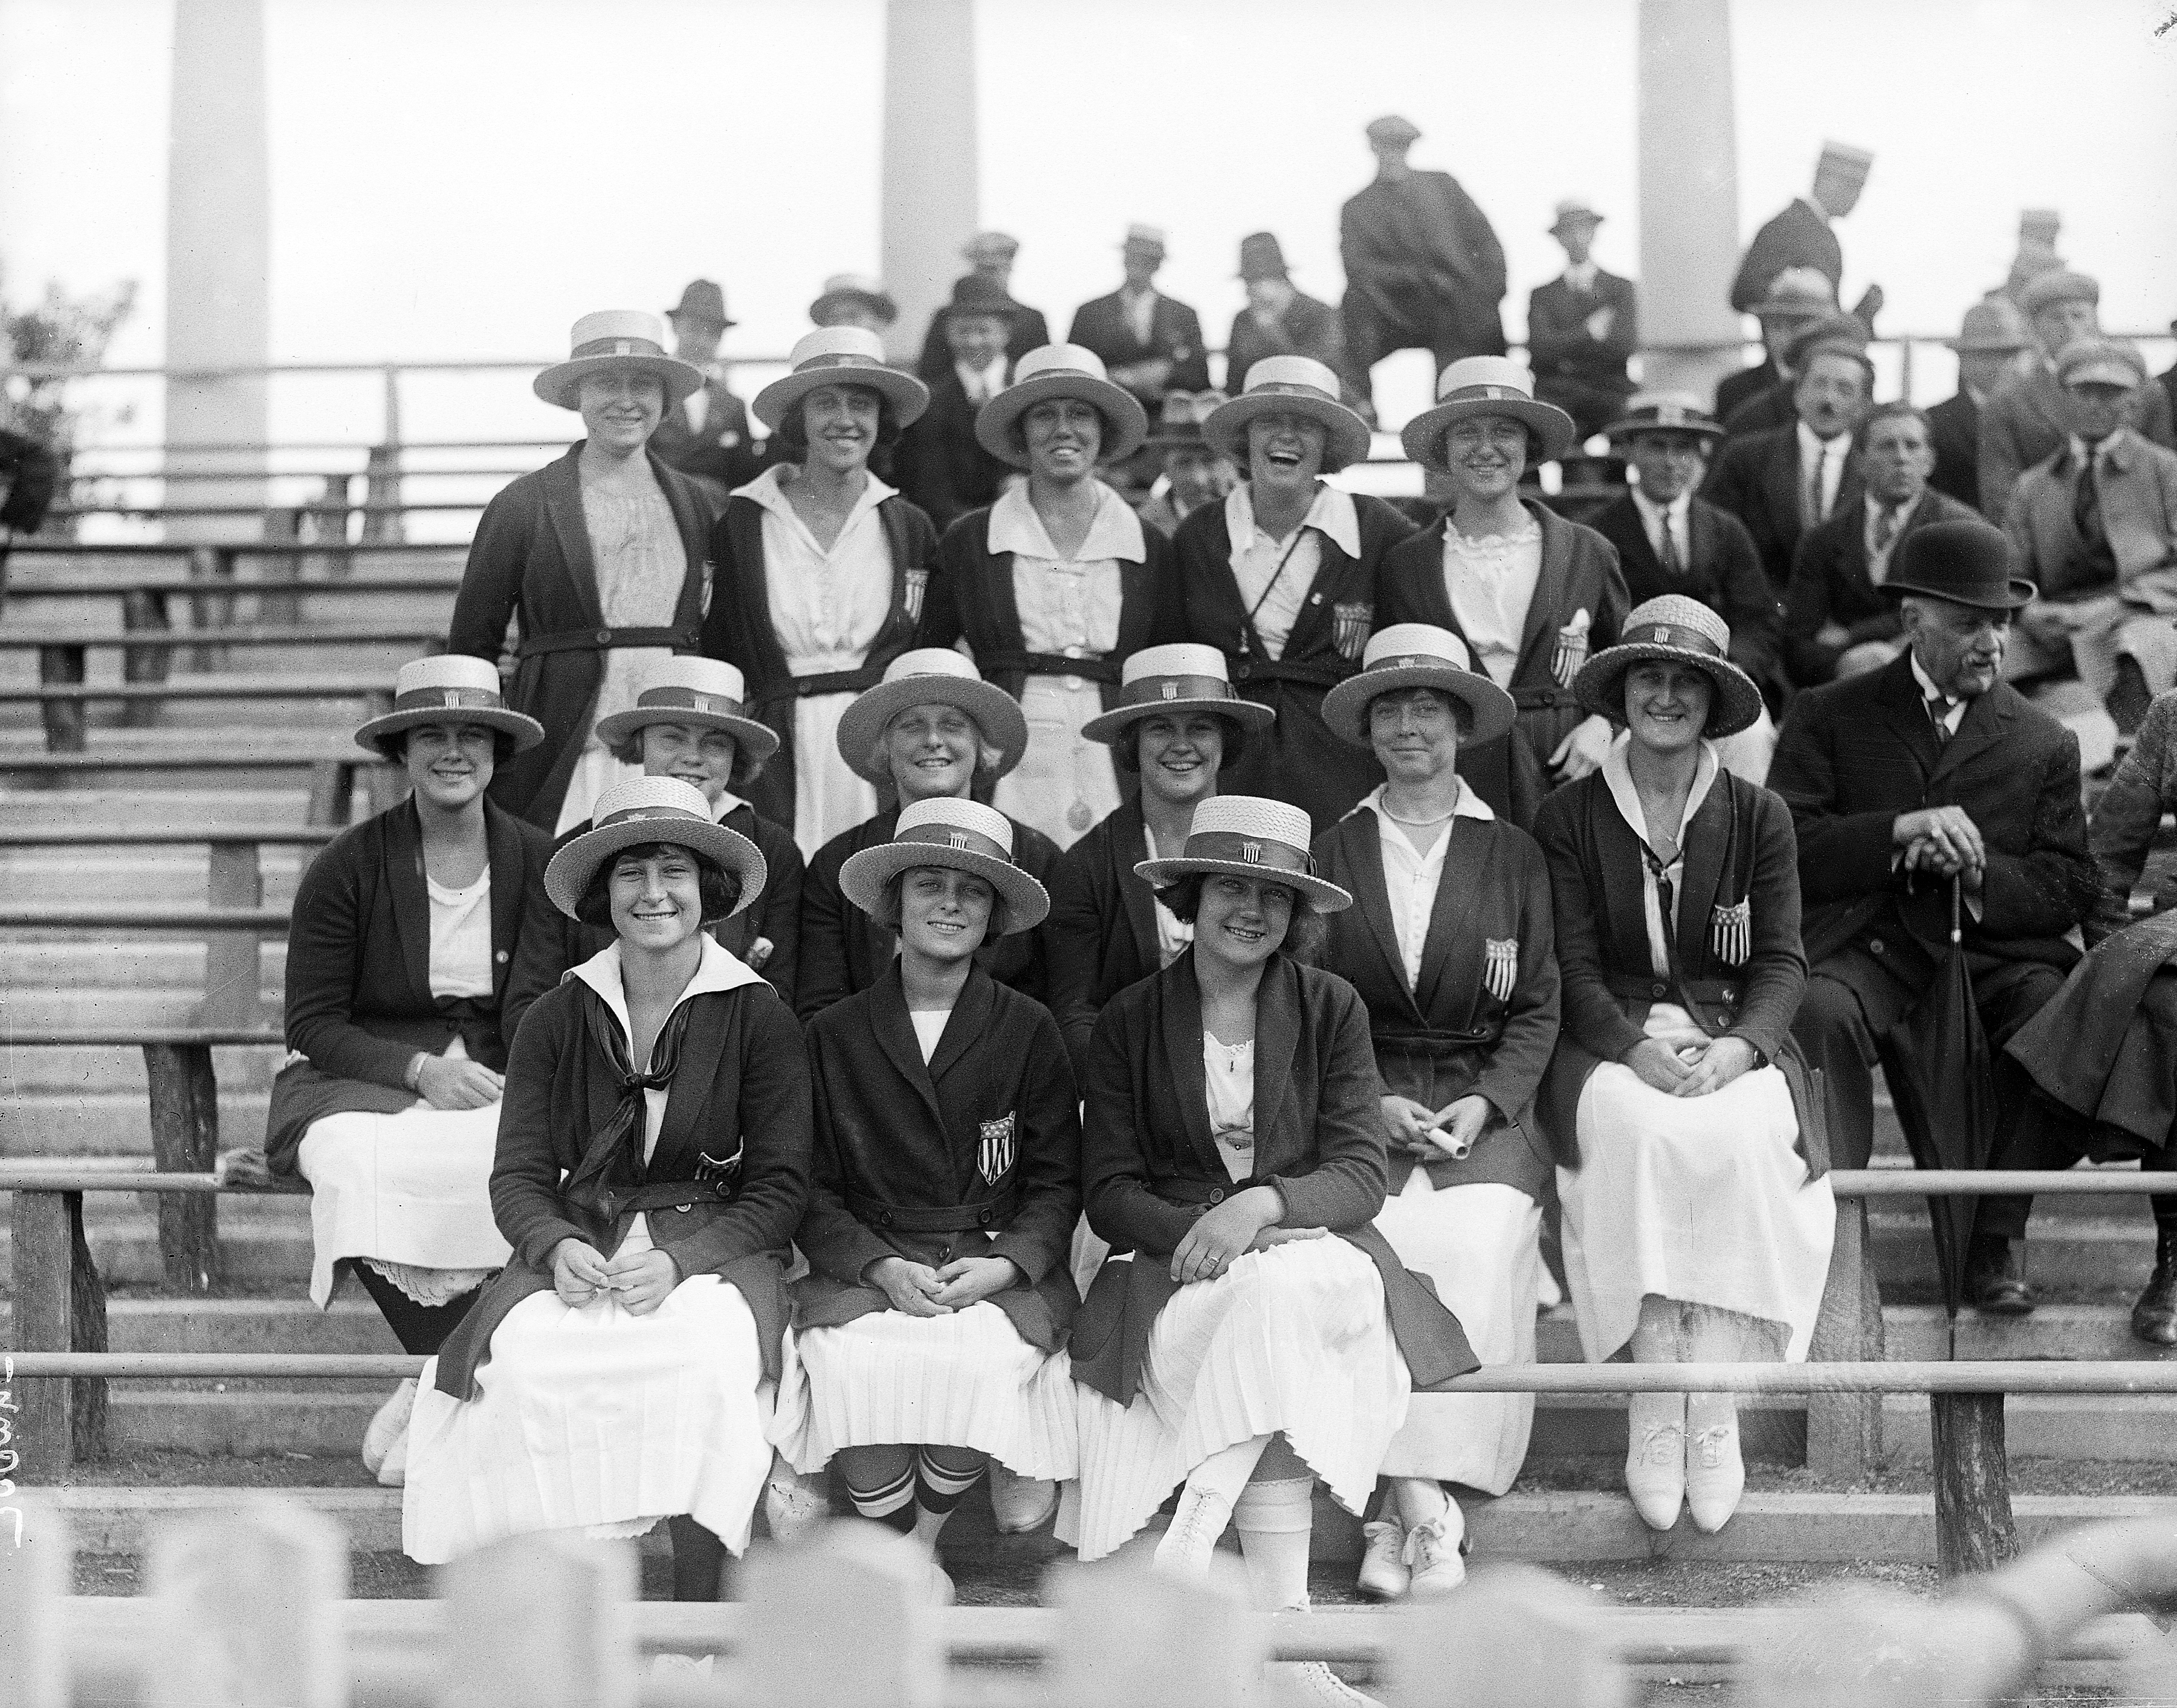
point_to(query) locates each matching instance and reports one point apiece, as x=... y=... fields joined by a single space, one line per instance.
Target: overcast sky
x=463 y=178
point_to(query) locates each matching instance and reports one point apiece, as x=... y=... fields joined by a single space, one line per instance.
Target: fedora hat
x=1839 y=335
x=449 y=687
x=701 y=301
x=616 y=338
x=708 y=693
x=1993 y=324
x=1262 y=256
x=647 y=810
x=1180 y=424
x=1185 y=676
x=854 y=287
x=1574 y=208
x=840 y=356
x=1289 y=385
x=963 y=835
x=2057 y=285
x=1062 y=370
x=1250 y=836
x=930 y=676
x=1797 y=293
x=1417 y=655
x=1674 y=627
x=2101 y=362
x=1967 y=562
x=1486 y=385
x=973 y=294
x=1663 y=412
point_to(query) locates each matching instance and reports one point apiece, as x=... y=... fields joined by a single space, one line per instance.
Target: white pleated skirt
x=1700 y=1199
x=1481 y=1245
x=829 y=796
x=1294 y=1339
x=411 y=1190
x=1064 y=784
x=594 y=1420
x=967 y=1379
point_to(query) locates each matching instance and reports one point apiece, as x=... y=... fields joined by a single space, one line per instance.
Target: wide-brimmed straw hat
x=647 y=810
x=1249 y=836
x=450 y=688
x=963 y=835
x=707 y=693
x=840 y=356
x=1170 y=681
x=1672 y=626
x=1486 y=385
x=1967 y=562
x=930 y=676
x=1294 y=385
x=1062 y=370
x=1417 y=655
x=854 y=288
x=1663 y=412
x=616 y=338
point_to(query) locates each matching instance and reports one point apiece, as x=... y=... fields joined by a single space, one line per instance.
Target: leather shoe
x=1384 y=1574
x=1995 y=1277
x=2154 y=1318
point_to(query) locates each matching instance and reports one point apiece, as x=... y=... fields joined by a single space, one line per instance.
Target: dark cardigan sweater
x=1101 y=936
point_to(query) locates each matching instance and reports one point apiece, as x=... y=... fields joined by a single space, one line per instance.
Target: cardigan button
x=1874 y=946
x=1217 y=1194
x=1658 y=989
x=499 y=955
x=983 y=1217
x=604 y=637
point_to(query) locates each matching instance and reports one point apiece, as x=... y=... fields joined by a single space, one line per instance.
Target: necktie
x=1666 y=548
x=1885 y=527
x=2087 y=502
x=1811 y=501
x=1939 y=714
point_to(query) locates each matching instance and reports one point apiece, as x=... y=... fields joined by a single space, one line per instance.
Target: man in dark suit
x=1280 y=319
x=1988 y=345
x=1797 y=298
x=29 y=475
x=991 y=254
x=707 y=434
x=941 y=465
x=1838 y=621
x=1927 y=770
x=1781 y=482
x=1581 y=328
x=1802 y=235
x=1149 y=344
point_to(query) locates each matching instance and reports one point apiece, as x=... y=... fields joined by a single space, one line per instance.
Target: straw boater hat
x=1295 y=385
x=1797 y=293
x=617 y=338
x=1062 y=370
x=1249 y=837
x=1486 y=385
x=843 y=287
x=1663 y=412
x=1417 y=655
x=930 y=676
x=1967 y=562
x=708 y=693
x=840 y=356
x=965 y=834
x=1672 y=626
x=1179 y=427
x=647 y=810
x=1161 y=681
x=449 y=688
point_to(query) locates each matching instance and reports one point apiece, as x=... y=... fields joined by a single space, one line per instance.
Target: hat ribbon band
x=1487 y=393
x=449 y=700
x=1236 y=850
x=687 y=700
x=1677 y=635
x=1150 y=691
x=658 y=812
x=1280 y=387
x=953 y=835
x=617 y=347
x=1418 y=661
x=838 y=358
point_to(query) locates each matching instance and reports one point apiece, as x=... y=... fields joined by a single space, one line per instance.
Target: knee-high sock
x=1205 y=1506
x=1274 y=1519
x=881 y=1483
x=699 y=1560
x=941 y=1475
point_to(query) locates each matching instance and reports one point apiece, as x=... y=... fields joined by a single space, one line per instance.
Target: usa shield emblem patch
x=719 y=1172
x=994 y=1155
x=1350 y=628
x=1500 y=966
x=1731 y=932
x=917 y=583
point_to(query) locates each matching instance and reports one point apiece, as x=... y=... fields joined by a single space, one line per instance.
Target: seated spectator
x=2100 y=1053
x=2095 y=528
x=1930 y=770
x=1784 y=481
x=1149 y=343
x=1581 y=328
x=653 y=1163
x=1697 y=1219
x=947 y=1181
x=1802 y=236
x=1779 y=405
x=991 y=255
x=1280 y=319
x=405 y=927
x=688 y=724
x=855 y=299
x=1991 y=347
x=1670 y=540
x=2029 y=420
x=1797 y=298
x=1838 y=621
x=1195 y=471
x=705 y=435
x=943 y=468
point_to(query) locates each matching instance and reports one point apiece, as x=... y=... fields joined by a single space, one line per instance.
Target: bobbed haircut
x=719 y=889
x=887 y=913
x=395 y=746
x=1304 y=937
x=744 y=770
x=1126 y=750
x=794 y=427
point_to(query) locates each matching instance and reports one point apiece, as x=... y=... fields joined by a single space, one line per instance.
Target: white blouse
x=928 y=1028
x=1618 y=775
x=1411 y=878
x=1228 y=1076
x=826 y=607
x=1067 y=605
x=461 y=937
x=1277 y=600
x=1491 y=583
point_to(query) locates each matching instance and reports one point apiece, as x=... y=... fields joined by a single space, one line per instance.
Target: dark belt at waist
x=1715 y=992
x=933 y=1219
x=662 y=1195
x=855 y=681
x=602 y=641
x=1438 y=1043
x=1175 y=1189
x=1249 y=668
x=1545 y=699
x=1104 y=670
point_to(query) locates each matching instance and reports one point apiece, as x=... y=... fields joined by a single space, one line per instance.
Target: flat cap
x=2100 y=362
x=1391 y=128
x=2059 y=285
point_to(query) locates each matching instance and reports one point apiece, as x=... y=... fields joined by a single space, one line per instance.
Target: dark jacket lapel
x=510 y=881
x=970 y=1020
x=1129 y=847
x=412 y=899
x=689 y=517
x=1542 y=610
x=563 y=505
x=1180 y=1012
x=682 y=1131
x=1708 y=847
x=1465 y=878
x=1277 y=1040
x=1361 y=857
x=1986 y=717
x=1907 y=713
x=896 y=1036
x=1781 y=481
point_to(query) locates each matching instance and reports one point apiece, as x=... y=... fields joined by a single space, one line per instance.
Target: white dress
x=1293 y=1338
x=588 y=1419
x=827 y=609
x=410 y=1193
x=1699 y=1200
x=1069 y=605
x=966 y=1379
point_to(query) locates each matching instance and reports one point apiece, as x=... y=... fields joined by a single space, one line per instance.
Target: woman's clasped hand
x=581 y=1275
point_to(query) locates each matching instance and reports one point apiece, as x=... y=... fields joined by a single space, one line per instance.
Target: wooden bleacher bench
x=335 y=767
x=226 y=635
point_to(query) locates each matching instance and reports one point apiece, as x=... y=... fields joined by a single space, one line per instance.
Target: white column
x=1688 y=144
x=930 y=175
x=219 y=249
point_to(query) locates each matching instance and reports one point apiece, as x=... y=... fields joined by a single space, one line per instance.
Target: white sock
x=1205 y=1507
x=1420 y=1499
x=1274 y=1519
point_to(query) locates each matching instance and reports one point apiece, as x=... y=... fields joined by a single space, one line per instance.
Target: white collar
x=1875 y=506
x=720 y=969
x=1470 y=805
x=1333 y=514
x=766 y=490
x=1128 y=293
x=992 y=373
x=726 y=803
x=1617 y=773
x=1810 y=444
x=1820 y=212
x=2100 y=449
x=1114 y=532
x=1928 y=691
x=1677 y=509
x=1582 y=277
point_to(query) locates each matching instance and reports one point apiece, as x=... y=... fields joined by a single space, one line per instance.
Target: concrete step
x=265 y=1243
x=2119 y=1429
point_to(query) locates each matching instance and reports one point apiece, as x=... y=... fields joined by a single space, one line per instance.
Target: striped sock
x=943 y=1475
x=891 y=1503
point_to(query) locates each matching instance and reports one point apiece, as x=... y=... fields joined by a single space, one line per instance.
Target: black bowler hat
x=1967 y=563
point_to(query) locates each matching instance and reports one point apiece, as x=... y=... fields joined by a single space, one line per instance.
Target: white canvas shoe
x=1655 y=1457
x=1383 y=1576
x=388 y=1425
x=1312 y=1684
x=795 y=1504
x=1436 y=1554
x=1716 y=1474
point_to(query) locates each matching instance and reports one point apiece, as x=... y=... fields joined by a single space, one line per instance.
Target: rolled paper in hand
x=1456 y=1149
